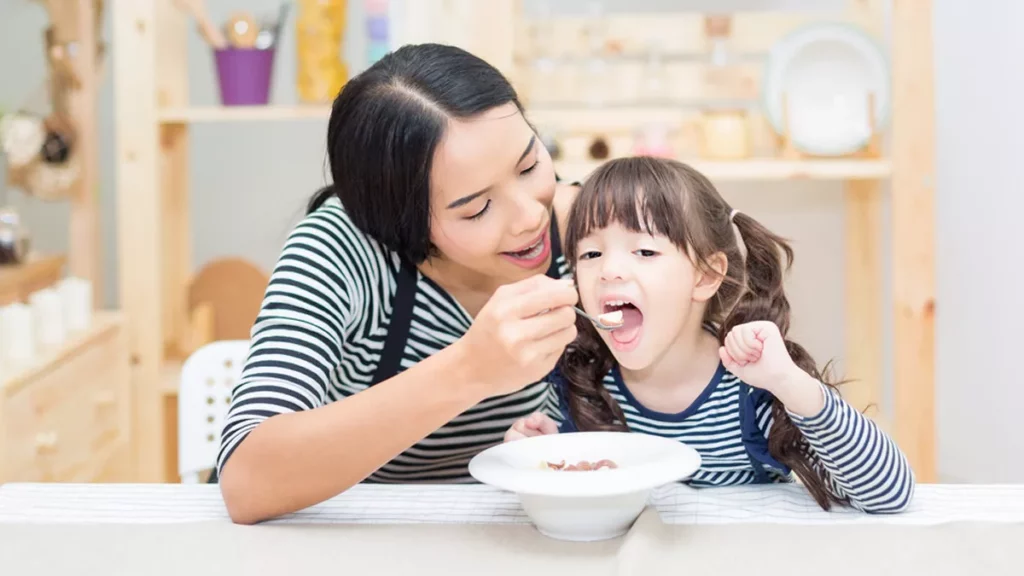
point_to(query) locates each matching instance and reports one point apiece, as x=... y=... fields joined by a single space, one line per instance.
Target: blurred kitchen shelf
x=761 y=169
x=204 y=114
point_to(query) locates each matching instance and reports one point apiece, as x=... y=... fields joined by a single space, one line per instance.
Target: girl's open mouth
x=627 y=336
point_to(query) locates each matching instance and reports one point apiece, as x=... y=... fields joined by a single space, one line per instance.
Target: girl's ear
x=706 y=283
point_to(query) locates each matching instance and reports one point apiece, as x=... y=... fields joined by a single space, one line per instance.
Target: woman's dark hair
x=384 y=128
x=669 y=198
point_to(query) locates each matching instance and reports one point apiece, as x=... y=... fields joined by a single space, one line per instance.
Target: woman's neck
x=470 y=289
x=678 y=376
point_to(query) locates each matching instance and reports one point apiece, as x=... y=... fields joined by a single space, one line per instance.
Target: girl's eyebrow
x=467 y=199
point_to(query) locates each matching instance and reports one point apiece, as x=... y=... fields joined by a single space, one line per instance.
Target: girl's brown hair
x=669 y=198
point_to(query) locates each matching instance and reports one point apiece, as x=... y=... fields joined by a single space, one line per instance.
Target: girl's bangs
x=641 y=196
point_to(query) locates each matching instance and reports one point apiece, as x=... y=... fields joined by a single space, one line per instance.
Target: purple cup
x=244 y=75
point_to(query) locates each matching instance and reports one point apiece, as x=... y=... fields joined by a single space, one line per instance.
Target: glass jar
x=14 y=238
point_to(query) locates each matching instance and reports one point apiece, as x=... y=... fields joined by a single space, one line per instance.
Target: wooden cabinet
x=65 y=416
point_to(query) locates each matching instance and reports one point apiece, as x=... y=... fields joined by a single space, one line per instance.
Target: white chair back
x=207 y=379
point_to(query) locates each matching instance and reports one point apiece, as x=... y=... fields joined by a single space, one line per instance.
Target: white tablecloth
x=477 y=504
x=183 y=529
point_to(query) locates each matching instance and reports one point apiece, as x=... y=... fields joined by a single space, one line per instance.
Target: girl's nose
x=613 y=268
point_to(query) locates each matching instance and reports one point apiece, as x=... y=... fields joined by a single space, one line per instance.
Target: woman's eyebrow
x=467 y=199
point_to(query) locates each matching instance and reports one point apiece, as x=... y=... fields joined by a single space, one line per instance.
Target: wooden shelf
x=38 y=271
x=16 y=375
x=762 y=169
x=209 y=114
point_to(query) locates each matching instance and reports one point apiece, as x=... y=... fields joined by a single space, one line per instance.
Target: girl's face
x=654 y=283
x=492 y=185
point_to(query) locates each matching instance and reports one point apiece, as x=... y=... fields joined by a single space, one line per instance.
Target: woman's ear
x=706 y=282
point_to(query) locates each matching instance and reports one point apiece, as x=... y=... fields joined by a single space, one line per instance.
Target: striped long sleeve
x=296 y=341
x=861 y=461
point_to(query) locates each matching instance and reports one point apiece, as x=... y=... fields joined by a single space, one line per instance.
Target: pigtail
x=762 y=297
x=584 y=366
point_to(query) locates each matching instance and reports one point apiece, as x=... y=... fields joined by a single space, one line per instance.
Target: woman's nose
x=530 y=215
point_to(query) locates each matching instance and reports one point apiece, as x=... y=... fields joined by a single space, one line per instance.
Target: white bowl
x=826 y=72
x=585 y=505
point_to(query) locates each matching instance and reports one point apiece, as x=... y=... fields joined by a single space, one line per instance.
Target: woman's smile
x=532 y=255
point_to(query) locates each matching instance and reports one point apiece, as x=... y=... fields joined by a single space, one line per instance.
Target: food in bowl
x=582 y=465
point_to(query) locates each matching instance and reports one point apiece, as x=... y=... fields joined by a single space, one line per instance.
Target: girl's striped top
x=319 y=336
x=729 y=424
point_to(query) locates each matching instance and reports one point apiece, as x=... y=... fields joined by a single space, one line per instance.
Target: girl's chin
x=626 y=347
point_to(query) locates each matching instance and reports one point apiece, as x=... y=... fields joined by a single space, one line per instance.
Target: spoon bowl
x=601 y=324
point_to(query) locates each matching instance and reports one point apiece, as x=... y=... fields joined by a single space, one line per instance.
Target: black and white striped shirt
x=729 y=424
x=319 y=336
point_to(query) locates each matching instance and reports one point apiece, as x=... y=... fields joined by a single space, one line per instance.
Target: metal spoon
x=597 y=322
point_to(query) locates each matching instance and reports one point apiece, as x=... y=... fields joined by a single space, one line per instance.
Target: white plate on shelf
x=585 y=505
x=826 y=72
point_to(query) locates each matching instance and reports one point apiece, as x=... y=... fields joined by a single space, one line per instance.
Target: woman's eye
x=481 y=212
x=644 y=253
x=530 y=169
x=589 y=255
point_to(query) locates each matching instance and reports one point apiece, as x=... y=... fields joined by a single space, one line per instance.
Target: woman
x=415 y=310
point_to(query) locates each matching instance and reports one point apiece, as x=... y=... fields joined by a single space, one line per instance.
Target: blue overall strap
x=561 y=387
x=753 y=438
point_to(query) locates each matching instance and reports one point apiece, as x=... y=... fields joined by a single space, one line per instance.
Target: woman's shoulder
x=326 y=244
x=331 y=228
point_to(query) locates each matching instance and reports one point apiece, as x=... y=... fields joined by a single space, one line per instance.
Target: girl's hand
x=518 y=336
x=756 y=353
x=535 y=424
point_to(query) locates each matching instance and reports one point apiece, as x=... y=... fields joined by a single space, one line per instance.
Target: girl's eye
x=530 y=169
x=481 y=212
x=591 y=254
x=646 y=253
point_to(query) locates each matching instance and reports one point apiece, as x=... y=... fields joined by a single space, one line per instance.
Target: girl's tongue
x=632 y=322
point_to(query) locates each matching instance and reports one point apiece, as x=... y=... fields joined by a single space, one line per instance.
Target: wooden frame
x=152 y=141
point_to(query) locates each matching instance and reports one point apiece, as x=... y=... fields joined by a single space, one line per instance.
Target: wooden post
x=913 y=221
x=172 y=91
x=139 y=220
x=863 y=284
x=74 y=26
x=84 y=247
x=864 y=281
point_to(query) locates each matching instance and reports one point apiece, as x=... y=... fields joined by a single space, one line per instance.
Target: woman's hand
x=518 y=336
x=536 y=424
x=756 y=353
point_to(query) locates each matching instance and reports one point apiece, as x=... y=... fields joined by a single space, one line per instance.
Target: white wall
x=262 y=174
x=980 y=318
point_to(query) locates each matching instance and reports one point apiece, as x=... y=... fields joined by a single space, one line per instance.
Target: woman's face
x=492 y=185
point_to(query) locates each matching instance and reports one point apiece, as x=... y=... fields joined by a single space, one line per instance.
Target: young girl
x=701 y=354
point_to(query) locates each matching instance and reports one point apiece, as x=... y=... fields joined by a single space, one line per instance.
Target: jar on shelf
x=725 y=134
x=14 y=238
x=319 y=37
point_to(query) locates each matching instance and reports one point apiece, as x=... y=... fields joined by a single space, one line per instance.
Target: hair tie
x=739 y=235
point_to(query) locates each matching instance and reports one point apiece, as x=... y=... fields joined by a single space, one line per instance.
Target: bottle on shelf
x=319 y=34
x=377 y=33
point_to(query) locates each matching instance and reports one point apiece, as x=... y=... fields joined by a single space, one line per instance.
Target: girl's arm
x=861 y=462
